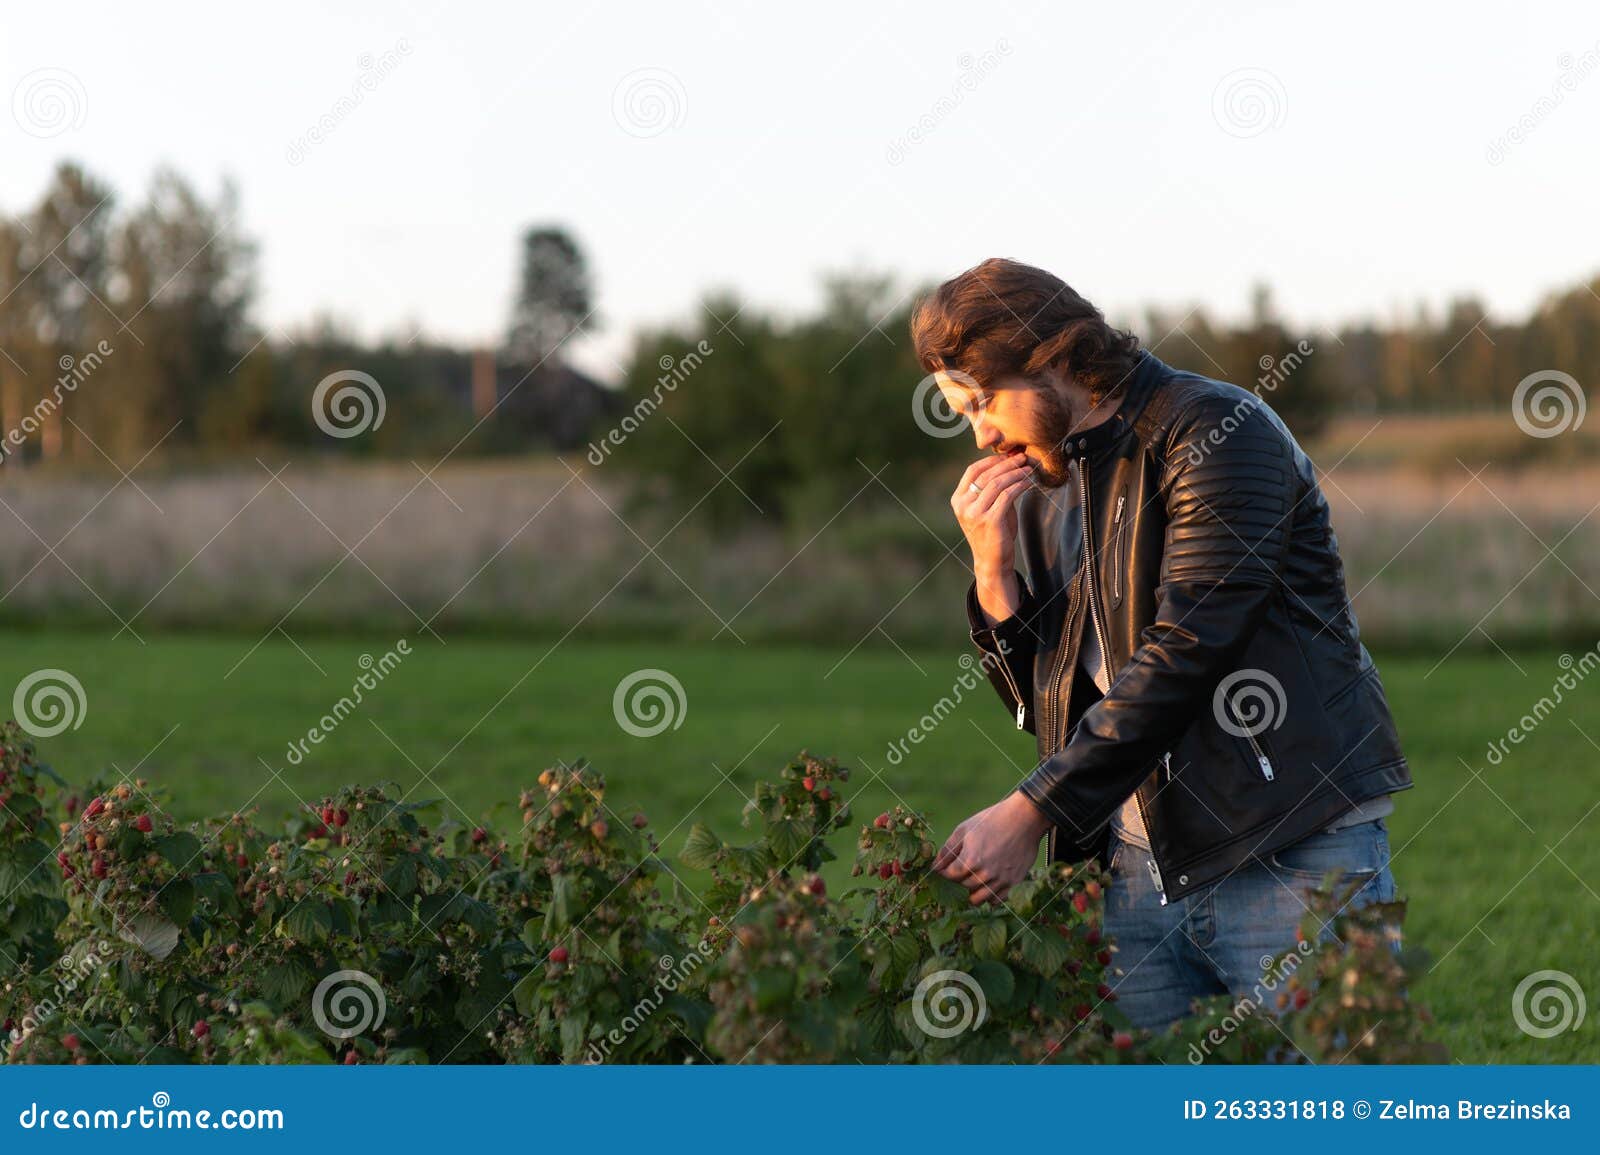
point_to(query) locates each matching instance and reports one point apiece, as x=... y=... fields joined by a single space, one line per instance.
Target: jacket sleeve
x=1007 y=650
x=1229 y=486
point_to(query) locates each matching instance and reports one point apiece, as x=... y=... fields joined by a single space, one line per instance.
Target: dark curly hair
x=1004 y=318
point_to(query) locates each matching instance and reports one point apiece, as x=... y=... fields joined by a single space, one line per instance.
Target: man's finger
x=948 y=851
x=999 y=488
x=982 y=467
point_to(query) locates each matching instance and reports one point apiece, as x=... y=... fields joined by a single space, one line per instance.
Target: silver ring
x=975 y=487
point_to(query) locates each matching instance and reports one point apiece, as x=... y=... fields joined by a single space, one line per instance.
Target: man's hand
x=991 y=852
x=988 y=518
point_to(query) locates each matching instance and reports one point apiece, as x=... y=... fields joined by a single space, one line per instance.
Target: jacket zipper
x=1100 y=633
x=1263 y=763
x=1016 y=690
x=1262 y=760
x=1116 y=543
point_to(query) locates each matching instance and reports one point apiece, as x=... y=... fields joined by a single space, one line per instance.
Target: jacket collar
x=1135 y=393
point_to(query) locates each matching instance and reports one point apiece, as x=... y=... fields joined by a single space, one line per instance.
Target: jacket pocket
x=1116 y=561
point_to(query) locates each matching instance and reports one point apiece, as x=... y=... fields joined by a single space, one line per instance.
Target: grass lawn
x=1499 y=862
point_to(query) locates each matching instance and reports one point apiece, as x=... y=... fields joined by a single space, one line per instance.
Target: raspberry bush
x=368 y=928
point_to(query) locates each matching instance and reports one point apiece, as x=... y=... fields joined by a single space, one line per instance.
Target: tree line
x=124 y=328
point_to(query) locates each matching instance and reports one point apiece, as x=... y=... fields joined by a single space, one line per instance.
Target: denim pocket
x=1359 y=851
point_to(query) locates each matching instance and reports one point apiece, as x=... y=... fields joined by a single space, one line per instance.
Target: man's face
x=1015 y=413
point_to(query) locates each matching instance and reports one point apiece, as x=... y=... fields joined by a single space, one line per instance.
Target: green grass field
x=1499 y=862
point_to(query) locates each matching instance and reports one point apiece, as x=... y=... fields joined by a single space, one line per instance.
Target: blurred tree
x=554 y=296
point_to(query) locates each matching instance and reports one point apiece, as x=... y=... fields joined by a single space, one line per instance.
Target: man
x=1178 y=640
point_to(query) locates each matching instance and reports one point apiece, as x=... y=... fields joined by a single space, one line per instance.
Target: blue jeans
x=1217 y=940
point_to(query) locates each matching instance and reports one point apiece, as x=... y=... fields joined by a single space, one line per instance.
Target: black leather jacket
x=1243 y=707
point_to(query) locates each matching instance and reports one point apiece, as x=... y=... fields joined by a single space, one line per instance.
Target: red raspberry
x=559 y=955
x=1080 y=902
x=340 y=817
x=143 y=823
x=881 y=821
x=202 y=1029
x=1122 y=1040
x=809 y=783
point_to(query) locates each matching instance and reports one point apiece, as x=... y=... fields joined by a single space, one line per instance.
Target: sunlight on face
x=1011 y=414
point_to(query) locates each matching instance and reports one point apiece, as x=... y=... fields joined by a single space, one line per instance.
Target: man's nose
x=986 y=435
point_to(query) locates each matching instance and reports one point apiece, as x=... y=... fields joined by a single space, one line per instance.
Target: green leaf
x=401 y=877
x=309 y=921
x=1044 y=951
x=180 y=849
x=787 y=837
x=989 y=938
x=997 y=981
x=701 y=848
x=177 y=899
x=282 y=983
x=213 y=887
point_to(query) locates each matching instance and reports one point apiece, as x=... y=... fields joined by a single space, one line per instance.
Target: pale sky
x=1356 y=157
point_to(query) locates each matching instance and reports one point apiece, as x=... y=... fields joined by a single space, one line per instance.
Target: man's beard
x=1049 y=448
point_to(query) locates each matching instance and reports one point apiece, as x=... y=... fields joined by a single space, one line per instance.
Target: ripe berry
x=1301 y=998
x=640 y=821
x=479 y=836
x=98 y=867
x=240 y=861
x=1092 y=888
x=341 y=817
x=143 y=823
x=599 y=829
x=1081 y=1011
x=1093 y=935
x=885 y=871
x=559 y=955
x=809 y=783
x=202 y=1029
x=1080 y=902
x=817 y=886
x=1122 y=1040
x=326 y=814
x=1103 y=958
x=70 y=1042
x=96 y=805
x=1104 y=991
x=881 y=821
x=825 y=794
x=351 y=1058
